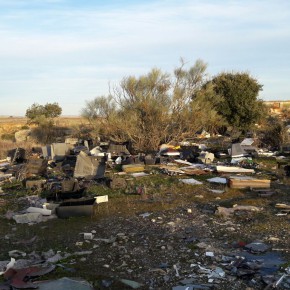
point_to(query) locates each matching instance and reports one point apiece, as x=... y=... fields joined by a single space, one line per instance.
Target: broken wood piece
x=132 y=168
x=247 y=181
x=282 y=206
x=233 y=169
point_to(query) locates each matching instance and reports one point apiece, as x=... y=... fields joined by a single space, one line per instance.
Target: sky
x=71 y=51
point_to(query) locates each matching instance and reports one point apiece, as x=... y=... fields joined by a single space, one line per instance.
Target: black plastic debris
x=257 y=247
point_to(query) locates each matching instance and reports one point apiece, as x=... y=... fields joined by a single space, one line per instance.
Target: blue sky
x=69 y=51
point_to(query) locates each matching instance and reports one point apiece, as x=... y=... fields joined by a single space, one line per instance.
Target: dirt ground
x=157 y=241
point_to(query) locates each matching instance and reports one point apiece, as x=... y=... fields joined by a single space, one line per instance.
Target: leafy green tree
x=42 y=114
x=52 y=110
x=240 y=106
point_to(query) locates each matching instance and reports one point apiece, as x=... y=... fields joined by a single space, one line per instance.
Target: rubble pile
x=199 y=233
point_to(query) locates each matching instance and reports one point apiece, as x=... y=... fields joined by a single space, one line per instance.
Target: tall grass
x=6 y=145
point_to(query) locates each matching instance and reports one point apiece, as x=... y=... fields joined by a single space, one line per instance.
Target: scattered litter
x=139 y=174
x=132 y=284
x=209 y=254
x=144 y=215
x=233 y=169
x=39 y=210
x=88 y=236
x=191 y=181
x=217 y=191
x=176 y=271
x=218 y=180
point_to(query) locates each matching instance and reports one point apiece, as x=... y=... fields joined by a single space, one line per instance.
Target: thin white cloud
x=105 y=43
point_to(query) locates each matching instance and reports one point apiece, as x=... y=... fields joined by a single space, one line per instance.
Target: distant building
x=276 y=107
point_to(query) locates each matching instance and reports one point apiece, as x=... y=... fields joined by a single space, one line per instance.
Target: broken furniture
x=76 y=208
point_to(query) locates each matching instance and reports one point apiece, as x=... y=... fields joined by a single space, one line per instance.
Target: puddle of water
x=270 y=262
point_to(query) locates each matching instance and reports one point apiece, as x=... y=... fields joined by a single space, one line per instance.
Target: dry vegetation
x=10 y=125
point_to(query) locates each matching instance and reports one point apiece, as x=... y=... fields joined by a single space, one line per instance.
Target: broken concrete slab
x=70 y=185
x=237 y=150
x=118 y=149
x=59 y=151
x=28 y=218
x=247 y=142
x=191 y=181
x=36 y=166
x=89 y=166
x=46 y=151
x=42 y=211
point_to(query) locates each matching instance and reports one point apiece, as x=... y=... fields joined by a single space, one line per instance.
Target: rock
x=202 y=245
x=257 y=247
x=226 y=212
x=22 y=135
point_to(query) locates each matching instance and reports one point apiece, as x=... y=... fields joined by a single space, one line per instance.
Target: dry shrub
x=49 y=134
x=8 y=137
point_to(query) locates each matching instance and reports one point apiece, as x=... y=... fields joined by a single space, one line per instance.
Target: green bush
x=7 y=137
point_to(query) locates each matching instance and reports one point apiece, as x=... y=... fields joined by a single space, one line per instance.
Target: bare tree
x=156 y=107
